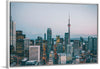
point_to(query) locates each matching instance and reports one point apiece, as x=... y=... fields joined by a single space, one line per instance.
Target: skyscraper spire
x=69 y=29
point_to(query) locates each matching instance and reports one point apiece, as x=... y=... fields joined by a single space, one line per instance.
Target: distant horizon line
x=63 y=37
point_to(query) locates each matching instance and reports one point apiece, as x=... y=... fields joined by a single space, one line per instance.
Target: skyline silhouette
x=34 y=19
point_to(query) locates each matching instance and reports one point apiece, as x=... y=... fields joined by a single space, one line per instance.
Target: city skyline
x=57 y=45
x=29 y=16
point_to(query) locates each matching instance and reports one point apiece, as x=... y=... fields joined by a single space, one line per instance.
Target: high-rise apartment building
x=20 y=43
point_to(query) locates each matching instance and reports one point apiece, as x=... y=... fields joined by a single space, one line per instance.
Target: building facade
x=13 y=34
x=34 y=53
x=76 y=48
x=66 y=41
x=49 y=40
x=90 y=44
x=44 y=36
x=20 y=43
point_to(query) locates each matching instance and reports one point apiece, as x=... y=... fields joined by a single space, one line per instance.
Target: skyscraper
x=95 y=46
x=66 y=41
x=49 y=40
x=44 y=57
x=12 y=34
x=20 y=43
x=26 y=43
x=81 y=41
x=59 y=48
x=39 y=41
x=69 y=30
x=90 y=43
x=68 y=46
x=59 y=45
x=26 y=47
x=52 y=48
x=76 y=47
x=44 y=36
x=86 y=45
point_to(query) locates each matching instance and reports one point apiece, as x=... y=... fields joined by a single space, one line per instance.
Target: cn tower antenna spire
x=69 y=18
x=69 y=29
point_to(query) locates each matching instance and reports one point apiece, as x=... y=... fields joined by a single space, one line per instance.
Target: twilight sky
x=34 y=19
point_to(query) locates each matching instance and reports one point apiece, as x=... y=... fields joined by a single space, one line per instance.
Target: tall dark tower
x=49 y=41
x=69 y=29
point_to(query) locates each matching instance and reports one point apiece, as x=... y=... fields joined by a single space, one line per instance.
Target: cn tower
x=69 y=29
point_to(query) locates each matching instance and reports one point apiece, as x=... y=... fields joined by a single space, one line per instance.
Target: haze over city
x=35 y=18
x=51 y=34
